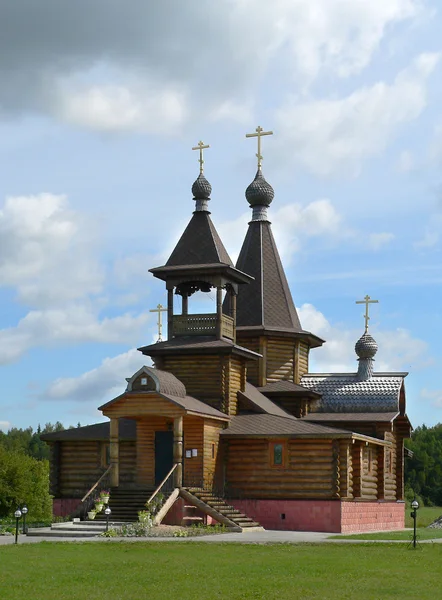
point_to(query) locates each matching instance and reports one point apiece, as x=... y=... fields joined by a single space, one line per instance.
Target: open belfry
x=229 y=424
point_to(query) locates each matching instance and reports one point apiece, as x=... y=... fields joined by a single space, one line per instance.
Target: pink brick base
x=63 y=507
x=178 y=511
x=331 y=516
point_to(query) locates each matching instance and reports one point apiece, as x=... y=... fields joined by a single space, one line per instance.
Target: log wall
x=302 y=360
x=213 y=463
x=309 y=471
x=193 y=439
x=145 y=469
x=252 y=365
x=280 y=359
x=142 y=405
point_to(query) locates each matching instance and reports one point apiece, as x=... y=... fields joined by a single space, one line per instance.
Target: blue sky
x=99 y=108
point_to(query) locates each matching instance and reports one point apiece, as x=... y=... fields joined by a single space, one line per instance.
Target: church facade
x=229 y=414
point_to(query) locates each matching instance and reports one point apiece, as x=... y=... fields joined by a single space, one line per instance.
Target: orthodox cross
x=259 y=133
x=367 y=301
x=201 y=146
x=159 y=309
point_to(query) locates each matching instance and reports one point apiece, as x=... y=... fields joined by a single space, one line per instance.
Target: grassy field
x=187 y=571
x=422 y=534
x=425 y=516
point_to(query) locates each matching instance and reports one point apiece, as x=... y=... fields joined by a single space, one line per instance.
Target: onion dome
x=366 y=346
x=201 y=189
x=259 y=192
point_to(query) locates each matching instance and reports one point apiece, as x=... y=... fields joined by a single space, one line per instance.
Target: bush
x=24 y=480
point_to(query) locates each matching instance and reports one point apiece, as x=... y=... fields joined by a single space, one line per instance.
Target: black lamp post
x=17 y=516
x=414 y=506
x=107 y=512
x=24 y=512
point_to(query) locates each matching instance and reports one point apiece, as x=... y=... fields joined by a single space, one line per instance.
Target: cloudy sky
x=100 y=105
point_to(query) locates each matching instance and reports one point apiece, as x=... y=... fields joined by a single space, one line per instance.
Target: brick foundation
x=63 y=507
x=331 y=516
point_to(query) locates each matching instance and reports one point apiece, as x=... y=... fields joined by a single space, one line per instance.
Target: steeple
x=366 y=347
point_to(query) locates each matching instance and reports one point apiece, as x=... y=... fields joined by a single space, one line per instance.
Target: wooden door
x=163 y=454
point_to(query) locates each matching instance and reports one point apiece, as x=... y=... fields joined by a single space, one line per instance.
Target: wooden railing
x=202 y=325
x=165 y=486
x=88 y=500
x=94 y=487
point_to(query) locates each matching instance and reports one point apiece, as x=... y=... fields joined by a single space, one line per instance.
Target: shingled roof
x=253 y=400
x=190 y=344
x=287 y=388
x=345 y=393
x=127 y=430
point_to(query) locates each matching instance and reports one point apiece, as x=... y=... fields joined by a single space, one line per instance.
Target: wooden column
x=219 y=311
x=114 y=453
x=357 y=468
x=178 y=451
x=170 y=314
x=262 y=362
x=233 y=304
x=381 y=472
x=185 y=305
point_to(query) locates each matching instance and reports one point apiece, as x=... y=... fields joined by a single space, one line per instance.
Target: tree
x=423 y=472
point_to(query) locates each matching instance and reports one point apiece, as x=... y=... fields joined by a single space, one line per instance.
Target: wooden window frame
x=272 y=445
x=370 y=459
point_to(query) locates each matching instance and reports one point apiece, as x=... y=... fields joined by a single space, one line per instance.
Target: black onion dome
x=259 y=192
x=201 y=188
x=366 y=346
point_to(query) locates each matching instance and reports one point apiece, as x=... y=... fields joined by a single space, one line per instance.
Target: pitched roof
x=165 y=382
x=252 y=399
x=199 y=244
x=127 y=430
x=191 y=344
x=265 y=425
x=266 y=301
x=189 y=403
x=351 y=417
x=345 y=393
x=286 y=388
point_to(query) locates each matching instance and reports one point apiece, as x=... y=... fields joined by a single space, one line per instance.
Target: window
x=144 y=381
x=277 y=454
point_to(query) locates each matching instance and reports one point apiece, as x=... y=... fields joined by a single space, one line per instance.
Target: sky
x=100 y=106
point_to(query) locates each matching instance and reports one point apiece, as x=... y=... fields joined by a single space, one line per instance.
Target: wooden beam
x=114 y=453
x=178 y=450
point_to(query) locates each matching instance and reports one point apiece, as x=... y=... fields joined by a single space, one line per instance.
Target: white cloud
x=398 y=349
x=430 y=239
x=5 y=426
x=332 y=135
x=406 y=162
x=72 y=325
x=379 y=240
x=104 y=382
x=47 y=251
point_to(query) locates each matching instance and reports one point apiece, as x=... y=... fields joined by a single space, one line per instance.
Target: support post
x=170 y=314
x=233 y=304
x=178 y=451
x=357 y=468
x=185 y=305
x=381 y=472
x=219 y=311
x=114 y=453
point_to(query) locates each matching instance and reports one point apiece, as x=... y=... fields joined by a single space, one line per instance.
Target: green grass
x=425 y=516
x=190 y=570
x=422 y=534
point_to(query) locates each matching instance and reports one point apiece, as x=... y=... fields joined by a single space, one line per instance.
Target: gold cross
x=367 y=300
x=259 y=133
x=201 y=147
x=159 y=309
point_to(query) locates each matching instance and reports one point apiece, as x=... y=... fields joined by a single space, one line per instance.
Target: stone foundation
x=330 y=516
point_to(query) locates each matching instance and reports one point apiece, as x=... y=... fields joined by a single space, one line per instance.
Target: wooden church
x=229 y=420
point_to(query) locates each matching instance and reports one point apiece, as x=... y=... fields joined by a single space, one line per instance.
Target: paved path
x=256 y=537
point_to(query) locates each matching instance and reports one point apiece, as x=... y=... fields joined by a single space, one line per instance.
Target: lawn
x=425 y=516
x=422 y=534
x=190 y=570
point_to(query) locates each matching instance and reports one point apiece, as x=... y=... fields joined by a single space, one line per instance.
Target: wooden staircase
x=126 y=502
x=219 y=509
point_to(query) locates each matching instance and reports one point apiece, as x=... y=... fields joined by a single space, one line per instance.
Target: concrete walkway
x=257 y=537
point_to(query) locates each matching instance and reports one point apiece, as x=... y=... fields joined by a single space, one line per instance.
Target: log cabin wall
x=252 y=365
x=54 y=468
x=128 y=461
x=346 y=469
x=143 y=405
x=80 y=467
x=308 y=471
x=234 y=382
x=145 y=461
x=302 y=356
x=193 y=440
x=213 y=464
x=202 y=376
x=280 y=359
x=369 y=475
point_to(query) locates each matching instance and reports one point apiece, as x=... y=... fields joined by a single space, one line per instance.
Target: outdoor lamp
x=415 y=505
x=24 y=512
x=17 y=516
x=107 y=512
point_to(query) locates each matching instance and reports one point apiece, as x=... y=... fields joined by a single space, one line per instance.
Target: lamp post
x=24 y=512
x=17 y=516
x=414 y=506
x=107 y=512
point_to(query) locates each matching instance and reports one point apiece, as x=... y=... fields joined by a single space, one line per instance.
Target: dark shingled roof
x=191 y=344
x=253 y=399
x=287 y=388
x=345 y=393
x=199 y=244
x=166 y=383
x=265 y=425
x=97 y=432
x=351 y=417
x=266 y=301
